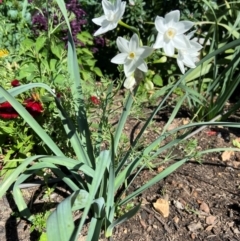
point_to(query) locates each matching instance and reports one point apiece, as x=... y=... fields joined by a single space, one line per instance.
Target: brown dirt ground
x=203 y=197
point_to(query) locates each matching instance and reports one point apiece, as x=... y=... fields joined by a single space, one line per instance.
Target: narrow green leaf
x=5 y=185
x=94 y=229
x=122 y=219
x=60 y=224
x=154 y=180
x=102 y=165
x=23 y=88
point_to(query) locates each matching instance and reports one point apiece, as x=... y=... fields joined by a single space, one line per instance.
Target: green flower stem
x=129 y=27
x=150 y=23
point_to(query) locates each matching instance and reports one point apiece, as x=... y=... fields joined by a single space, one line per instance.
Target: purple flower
x=40 y=21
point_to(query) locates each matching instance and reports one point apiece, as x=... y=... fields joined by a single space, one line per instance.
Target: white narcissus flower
x=113 y=12
x=171 y=32
x=132 y=55
x=131 y=2
x=129 y=82
x=188 y=56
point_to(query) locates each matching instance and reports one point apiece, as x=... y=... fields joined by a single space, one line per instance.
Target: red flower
x=95 y=100
x=15 y=83
x=59 y=95
x=7 y=111
x=35 y=108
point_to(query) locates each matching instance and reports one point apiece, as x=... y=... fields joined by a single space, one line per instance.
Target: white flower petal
x=183 y=26
x=122 y=8
x=99 y=20
x=119 y=59
x=159 y=41
x=186 y=57
x=134 y=43
x=120 y=12
x=195 y=45
x=99 y=31
x=105 y=28
x=172 y=16
x=190 y=35
x=113 y=12
x=189 y=61
x=181 y=42
x=143 y=67
x=107 y=6
x=160 y=24
x=144 y=51
x=181 y=66
x=129 y=67
x=123 y=45
x=168 y=49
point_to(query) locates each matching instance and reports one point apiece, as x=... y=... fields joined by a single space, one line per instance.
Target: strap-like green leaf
x=122 y=219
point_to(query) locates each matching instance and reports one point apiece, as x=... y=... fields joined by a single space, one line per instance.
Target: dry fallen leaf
x=235 y=164
x=194 y=226
x=204 y=207
x=162 y=206
x=235 y=230
x=176 y=219
x=186 y=121
x=226 y=155
x=210 y=219
x=83 y=238
x=178 y=204
x=160 y=169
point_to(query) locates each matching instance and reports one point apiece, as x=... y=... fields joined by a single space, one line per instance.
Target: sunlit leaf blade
x=94 y=229
x=81 y=200
x=60 y=224
x=174 y=113
x=14 y=175
x=99 y=207
x=63 y=9
x=23 y=88
x=76 y=90
x=17 y=194
x=102 y=164
x=70 y=163
x=19 y=200
x=53 y=230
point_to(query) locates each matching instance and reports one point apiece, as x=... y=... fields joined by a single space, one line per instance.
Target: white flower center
x=110 y=16
x=131 y=55
x=170 y=33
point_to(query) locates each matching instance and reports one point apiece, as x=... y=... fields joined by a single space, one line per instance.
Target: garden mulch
x=203 y=196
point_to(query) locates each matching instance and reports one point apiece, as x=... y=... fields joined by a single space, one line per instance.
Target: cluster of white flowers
x=171 y=36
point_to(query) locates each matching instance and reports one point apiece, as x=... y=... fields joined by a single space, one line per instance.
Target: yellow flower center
x=131 y=55
x=110 y=16
x=170 y=33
